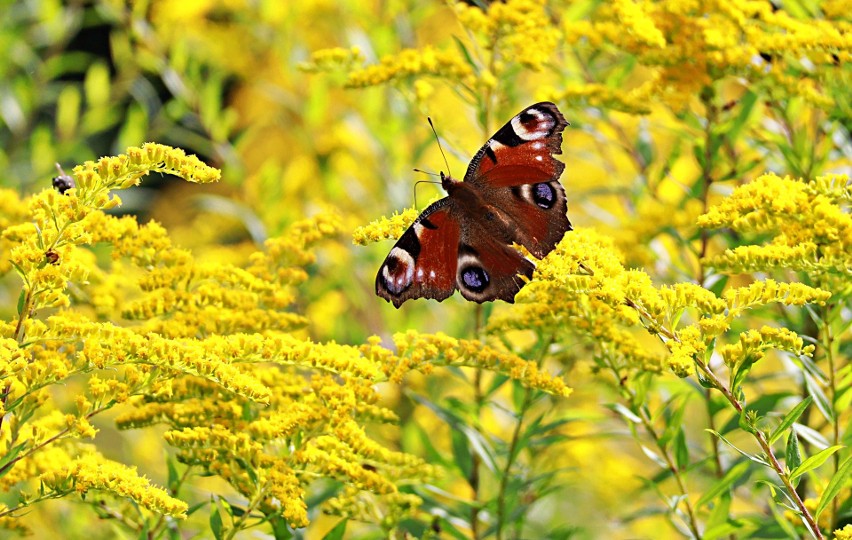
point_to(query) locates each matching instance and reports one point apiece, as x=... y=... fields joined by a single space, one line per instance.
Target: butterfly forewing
x=422 y=264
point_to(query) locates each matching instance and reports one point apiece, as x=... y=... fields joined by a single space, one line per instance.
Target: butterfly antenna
x=441 y=148
x=422 y=182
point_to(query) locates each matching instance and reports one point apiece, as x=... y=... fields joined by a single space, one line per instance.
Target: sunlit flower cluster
x=808 y=223
x=385 y=227
x=750 y=345
x=582 y=287
x=423 y=351
x=519 y=30
x=92 y=472
x=689 y=46
x=429 y=61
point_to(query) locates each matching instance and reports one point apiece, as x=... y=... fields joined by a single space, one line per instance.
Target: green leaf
x=721 y=511
x=794 y=457
x=674 y=423
x=9 y=457
x=746 y=106
x=461 y=453
x=814 y=461
x=279 y=528
x=174 y=477
x=628 y=415
x=703 y=381
x=820 y=399
x=834 y=486
x=216 y=523
x=746 y=423
x=681 y=450
x=337 y=532
x=756 y=459
x=789 y=419
x=468 y=58
x=21 y=298
x=724 y=483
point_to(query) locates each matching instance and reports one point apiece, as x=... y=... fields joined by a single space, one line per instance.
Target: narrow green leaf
x=337 y=532
x=834 y=486
x=21 y=298
x=820 y=399
x=746 y=106
x=724 y=483
x=174 y=477
x=279 y=528
x=756 y=459
x=9 y=457
x=794 y=457
x=681 y=450
x=628 y=415
x=216 y=523
x=461 y=453
x=814 y=461
x=704 y=381
x=789 y=419
x=721 y=511
x=745 y=423
x=468 y=58
x=674 y=423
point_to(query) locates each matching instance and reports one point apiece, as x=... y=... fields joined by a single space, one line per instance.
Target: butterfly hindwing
x=489 y=269
x=422 y=263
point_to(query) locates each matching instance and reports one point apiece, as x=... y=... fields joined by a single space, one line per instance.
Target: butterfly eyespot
x=398 y=271
x=475 y=278
x=544 y=195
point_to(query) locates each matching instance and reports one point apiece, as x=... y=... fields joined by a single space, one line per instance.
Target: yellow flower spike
x=448 y=64
x=93 y=472
x=385 y=228
x=752 y=345
x=689 y=347
x=809 y=222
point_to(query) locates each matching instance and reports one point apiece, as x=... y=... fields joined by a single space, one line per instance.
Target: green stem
x=473 y=478
x=513 y=448
x=765 y=446
x=828 y=342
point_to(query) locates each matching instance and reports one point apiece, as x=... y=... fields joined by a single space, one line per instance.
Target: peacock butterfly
x=510 y=195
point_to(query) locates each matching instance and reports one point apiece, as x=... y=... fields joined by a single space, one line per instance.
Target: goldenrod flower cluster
x=582 y=287
x=385 y=228
x=408 y=63
x=205 y=349
x=807 y=222
x=521 y=30
x=94 y=472
x=687 y=46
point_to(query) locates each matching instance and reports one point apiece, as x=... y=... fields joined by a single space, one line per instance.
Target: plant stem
x=767 y=449
x=473 y=478
x=513 y=448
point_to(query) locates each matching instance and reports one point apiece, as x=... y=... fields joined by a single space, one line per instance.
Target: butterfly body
x=510 y=195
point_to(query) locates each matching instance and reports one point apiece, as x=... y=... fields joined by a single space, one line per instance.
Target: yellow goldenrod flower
x=93 y=472
x=752 y=343
x=810 y=229
x=385 y=228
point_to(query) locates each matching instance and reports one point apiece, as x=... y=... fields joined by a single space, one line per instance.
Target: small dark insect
x=729 y=105
x=51 y=257
x=63 y=182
